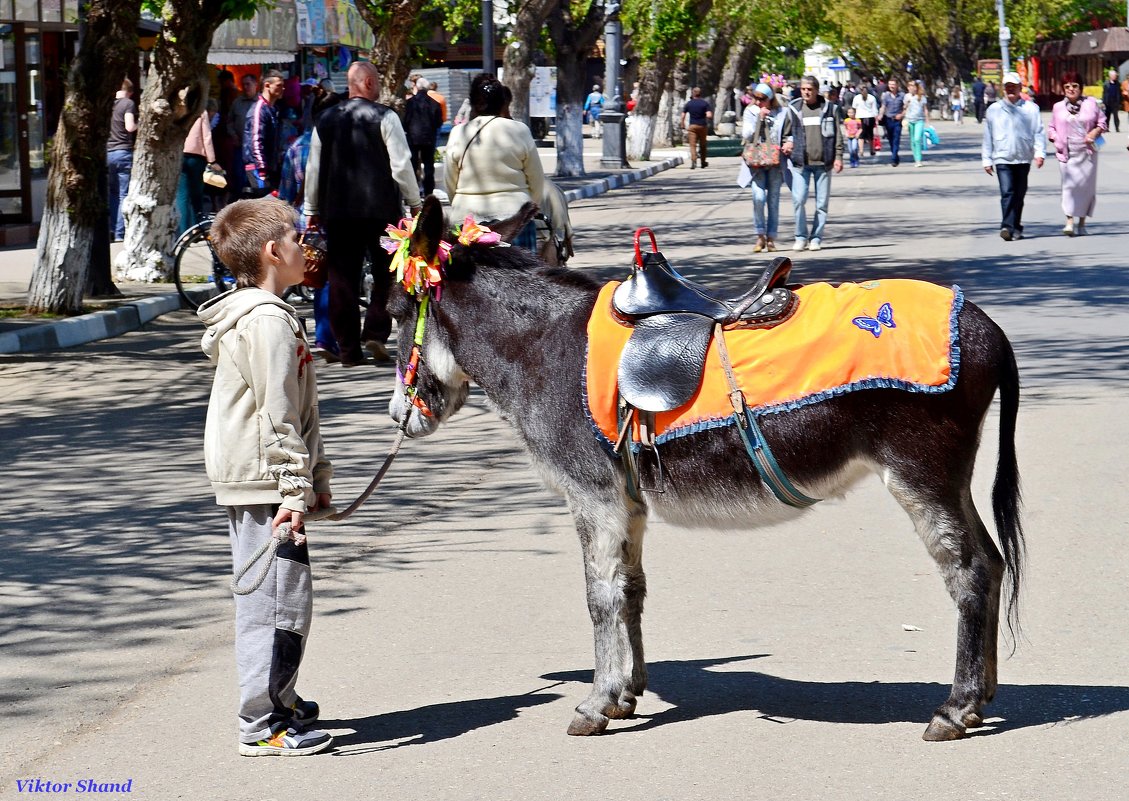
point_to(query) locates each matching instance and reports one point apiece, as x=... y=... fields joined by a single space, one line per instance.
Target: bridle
x=411 y=372
x=421 y=279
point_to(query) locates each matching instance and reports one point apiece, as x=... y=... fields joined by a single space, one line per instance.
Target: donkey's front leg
x=605 y=536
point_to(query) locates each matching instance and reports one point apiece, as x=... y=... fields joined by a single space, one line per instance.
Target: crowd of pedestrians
x=808 y=134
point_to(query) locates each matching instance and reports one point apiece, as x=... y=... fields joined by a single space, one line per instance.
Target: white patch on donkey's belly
x=714 y=507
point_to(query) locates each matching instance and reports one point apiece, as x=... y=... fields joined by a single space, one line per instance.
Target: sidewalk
x=141 y=302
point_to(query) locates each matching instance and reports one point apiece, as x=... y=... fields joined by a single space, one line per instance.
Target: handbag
x=214 y=176
x=876 y=143
x=317 y=267
x=761 y=154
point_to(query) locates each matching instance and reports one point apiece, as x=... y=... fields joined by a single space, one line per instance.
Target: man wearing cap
x=1013 y=136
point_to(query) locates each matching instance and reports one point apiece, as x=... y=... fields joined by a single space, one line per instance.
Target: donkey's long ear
x=429 y=229
x=508 y=229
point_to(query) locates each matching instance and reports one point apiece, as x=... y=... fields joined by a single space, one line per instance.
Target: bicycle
x=194 y=258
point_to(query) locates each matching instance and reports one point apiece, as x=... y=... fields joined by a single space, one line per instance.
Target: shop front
x=36 y=50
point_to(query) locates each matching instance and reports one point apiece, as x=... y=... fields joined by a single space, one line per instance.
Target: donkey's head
x=430 y=384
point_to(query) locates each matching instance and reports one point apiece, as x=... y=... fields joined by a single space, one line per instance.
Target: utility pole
x=1005 y=36
x=488 y=37
x=612 y=118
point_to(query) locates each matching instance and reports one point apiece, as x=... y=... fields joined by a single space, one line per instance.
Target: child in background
x=852 y=128
x=263 y=454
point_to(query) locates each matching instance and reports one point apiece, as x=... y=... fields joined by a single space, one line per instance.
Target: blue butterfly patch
x=874 y=324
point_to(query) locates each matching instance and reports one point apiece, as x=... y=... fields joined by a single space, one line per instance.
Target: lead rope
x=269 y=548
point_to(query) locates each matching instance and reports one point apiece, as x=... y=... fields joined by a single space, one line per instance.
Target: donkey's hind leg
x=611 y=539
x=973 y=570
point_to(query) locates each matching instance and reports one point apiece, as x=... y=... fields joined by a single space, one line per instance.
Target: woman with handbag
x=766 y=132
x=1076 y=124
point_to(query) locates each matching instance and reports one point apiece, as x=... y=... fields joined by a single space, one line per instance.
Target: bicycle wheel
x=195 y=264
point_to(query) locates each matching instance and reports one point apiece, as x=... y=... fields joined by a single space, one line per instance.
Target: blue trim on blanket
x=605 y=443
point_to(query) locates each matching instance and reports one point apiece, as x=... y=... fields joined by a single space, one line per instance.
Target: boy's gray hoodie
x=262 y=441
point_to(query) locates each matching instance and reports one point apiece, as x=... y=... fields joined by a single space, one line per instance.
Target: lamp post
x=613 y=117
x=488 y=37
x=1005 y=37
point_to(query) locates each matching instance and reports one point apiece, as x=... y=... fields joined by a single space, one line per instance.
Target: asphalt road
x=451 y=638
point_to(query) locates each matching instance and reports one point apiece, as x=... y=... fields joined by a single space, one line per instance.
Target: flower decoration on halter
x=414 y=272
x=472 y=233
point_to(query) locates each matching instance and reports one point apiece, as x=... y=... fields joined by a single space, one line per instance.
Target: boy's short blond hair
x=241 y=230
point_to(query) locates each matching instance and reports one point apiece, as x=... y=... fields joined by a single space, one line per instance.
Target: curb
x=620 y=180
x=89 y=327
x=131 y=316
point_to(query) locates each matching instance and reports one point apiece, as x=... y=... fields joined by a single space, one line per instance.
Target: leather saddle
x=673 y=320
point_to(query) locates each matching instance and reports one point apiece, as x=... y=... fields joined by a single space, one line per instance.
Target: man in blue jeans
x=1013 y=136
x=819 y=139
x=119 y=155
x=892 y=109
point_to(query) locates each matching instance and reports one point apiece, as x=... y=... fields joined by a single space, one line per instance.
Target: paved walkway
x=451 y=637
x=141 y=303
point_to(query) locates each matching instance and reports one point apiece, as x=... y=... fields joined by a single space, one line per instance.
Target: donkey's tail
x=1005 y=492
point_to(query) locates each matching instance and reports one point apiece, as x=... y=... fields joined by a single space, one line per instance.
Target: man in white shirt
x=1013 y=136
x=866 y=111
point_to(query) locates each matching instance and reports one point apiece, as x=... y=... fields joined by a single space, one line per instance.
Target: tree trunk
x=75 y=207
x=573 y=40
x=734 y=77
x=392 y=22
x=712 y=63
x=654 y=75
x=517 y=61
x=175 y=94
x=664 y=120
x=653 y=79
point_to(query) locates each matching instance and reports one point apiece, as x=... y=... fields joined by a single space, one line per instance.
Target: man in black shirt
x=119 y=154
x=697 y=113
x=422 y=119
x=1111 y=99
x=358 y=176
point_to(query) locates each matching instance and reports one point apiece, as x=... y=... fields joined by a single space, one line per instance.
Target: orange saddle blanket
x=894 y=333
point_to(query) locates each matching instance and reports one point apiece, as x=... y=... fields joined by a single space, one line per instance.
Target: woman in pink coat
x=1076 y=122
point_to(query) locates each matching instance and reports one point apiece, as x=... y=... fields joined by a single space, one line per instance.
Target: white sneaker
x=815 y=245
x=799 y=244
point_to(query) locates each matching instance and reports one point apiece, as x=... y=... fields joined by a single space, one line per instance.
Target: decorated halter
x=420 y=278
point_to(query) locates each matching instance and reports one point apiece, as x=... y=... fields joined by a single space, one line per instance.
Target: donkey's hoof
x=941 y=729
x=583 y=726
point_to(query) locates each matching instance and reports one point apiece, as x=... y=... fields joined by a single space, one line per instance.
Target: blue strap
x=766 y=464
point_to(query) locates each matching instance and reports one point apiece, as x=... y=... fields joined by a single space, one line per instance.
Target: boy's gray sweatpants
x=271 y=624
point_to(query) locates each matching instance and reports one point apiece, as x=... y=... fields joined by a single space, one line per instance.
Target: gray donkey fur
x=519 y=330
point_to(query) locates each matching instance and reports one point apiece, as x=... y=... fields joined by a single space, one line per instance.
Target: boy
x=852 y=127
x=263 y=453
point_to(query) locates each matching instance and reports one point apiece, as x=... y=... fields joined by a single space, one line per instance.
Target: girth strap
x=755 y=443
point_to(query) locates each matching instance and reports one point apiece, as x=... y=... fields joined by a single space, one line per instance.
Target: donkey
x=518 y=329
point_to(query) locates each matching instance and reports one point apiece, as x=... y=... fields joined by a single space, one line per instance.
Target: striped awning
x=224 y=58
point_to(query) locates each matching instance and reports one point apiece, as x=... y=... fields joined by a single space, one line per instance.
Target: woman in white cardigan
x=492 y=166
